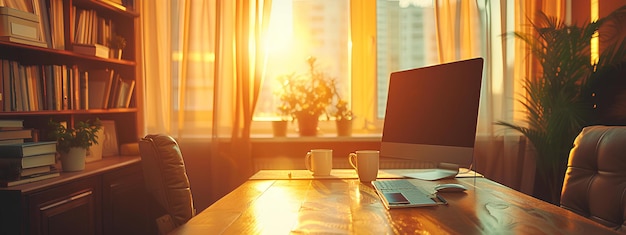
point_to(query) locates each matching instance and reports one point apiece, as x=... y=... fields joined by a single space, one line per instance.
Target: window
x=300 y=29
x=405 y=38
x=405 y=32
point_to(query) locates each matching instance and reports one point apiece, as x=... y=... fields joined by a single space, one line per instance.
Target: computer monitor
x=432 y=113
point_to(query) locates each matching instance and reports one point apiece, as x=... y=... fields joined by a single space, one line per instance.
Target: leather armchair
x=595 y=180
x=166 y=180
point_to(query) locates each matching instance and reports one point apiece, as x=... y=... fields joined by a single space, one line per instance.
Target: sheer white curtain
x=203 y=70
x=240 y=66
x=178 y=52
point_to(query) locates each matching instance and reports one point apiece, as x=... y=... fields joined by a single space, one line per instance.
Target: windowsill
x=258 y=138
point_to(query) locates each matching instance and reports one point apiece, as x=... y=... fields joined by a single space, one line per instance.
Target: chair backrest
x=595 y=181
x=165 y=176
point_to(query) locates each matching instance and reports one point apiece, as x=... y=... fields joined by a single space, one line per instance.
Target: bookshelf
x=116 y=17
x=107 y=197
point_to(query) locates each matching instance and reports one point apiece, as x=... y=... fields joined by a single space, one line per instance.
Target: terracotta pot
x=280 y=128
x=344 y=127
x=73 y=160
x=307 y=124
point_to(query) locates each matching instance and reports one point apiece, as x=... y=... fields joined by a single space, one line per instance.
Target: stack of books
x=13 y=132
x=21 y=161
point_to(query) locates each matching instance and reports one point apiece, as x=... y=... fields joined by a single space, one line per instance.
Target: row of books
x=21 y=161
x=90 y=29
x=91 y=33
x=59 y=87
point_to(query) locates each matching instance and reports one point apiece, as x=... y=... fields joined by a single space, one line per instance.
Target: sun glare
x=274 y=211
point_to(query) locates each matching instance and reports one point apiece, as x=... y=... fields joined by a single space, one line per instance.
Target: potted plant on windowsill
x=306 y=97
x=343 y=118
x=72 y=143
x=279 y=127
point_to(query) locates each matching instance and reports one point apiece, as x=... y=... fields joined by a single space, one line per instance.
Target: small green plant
x=306 y=94
x=342 y=112
x=83 y=135
x=117 y=42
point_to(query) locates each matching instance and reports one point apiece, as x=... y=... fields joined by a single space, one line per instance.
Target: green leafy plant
x=560 y=99
x=117 y=42
x=342 y=112
x=83 y=135
x=306 y=94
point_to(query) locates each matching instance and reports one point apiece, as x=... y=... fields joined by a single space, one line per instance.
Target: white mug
x=319 y=161
x=365 y=162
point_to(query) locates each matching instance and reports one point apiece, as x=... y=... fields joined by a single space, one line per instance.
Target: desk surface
x=347 y=206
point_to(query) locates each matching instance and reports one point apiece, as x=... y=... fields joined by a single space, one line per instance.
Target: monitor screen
x=432 y=113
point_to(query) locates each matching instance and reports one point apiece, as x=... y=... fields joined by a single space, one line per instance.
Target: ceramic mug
x=319 y=161
x=365 y=162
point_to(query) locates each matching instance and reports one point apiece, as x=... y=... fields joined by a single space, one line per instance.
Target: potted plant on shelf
x=72 y=143
x=306 y=97
x=116 y=44
x=560 y=100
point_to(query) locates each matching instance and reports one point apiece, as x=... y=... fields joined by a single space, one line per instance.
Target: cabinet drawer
x=67 y=209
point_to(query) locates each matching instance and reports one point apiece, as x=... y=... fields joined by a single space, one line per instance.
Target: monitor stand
x=443 y=171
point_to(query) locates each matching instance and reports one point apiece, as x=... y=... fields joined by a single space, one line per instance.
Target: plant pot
x=73 y=160
x=307 y=124
x=115 y=54
x=280 y=128
x=344 y=127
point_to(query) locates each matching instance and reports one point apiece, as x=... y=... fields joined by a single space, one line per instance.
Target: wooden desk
x=347 y=206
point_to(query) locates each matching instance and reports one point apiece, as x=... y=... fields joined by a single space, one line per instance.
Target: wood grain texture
x=347 y=206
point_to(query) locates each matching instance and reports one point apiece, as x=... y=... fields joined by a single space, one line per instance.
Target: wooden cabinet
x=124 y=204
x=108 y=197
x=67 y=209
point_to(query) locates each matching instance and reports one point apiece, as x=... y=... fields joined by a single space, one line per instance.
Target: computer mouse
x=441 y=188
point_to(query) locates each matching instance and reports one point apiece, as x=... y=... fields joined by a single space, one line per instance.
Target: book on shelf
x=16 y=134
x=23 y=41
x=116 y=3
x=15 y=172
x=125 y=93
x=29 y=179
x=36 y=170
x=40 y=8
x=91 y=49
x=17 y=123
x=12 y=141
x=121 y=92
x=99 y=88
x=28 y=162
x=56 y=19
x=27 y=149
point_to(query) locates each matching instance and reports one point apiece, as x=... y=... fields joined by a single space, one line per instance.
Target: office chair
x=595 y=180
x=166 y=180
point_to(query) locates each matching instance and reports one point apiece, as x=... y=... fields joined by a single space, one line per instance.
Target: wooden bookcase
x=108 y=196
x=126 y=24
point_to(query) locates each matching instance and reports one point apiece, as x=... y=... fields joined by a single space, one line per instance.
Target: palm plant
x=560 y=99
